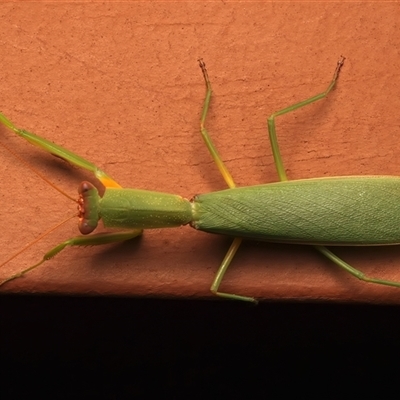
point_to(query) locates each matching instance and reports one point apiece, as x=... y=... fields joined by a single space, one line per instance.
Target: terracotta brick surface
x=119 y=84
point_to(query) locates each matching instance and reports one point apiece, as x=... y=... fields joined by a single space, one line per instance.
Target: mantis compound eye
x=88 y=205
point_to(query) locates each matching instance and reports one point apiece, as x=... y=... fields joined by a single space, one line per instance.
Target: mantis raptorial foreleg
x=61 y=152
x=94 y=239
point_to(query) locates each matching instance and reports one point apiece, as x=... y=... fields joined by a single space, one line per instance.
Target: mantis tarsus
x=354 y=210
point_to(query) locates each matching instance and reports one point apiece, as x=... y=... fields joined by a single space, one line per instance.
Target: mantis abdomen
x=356 y=210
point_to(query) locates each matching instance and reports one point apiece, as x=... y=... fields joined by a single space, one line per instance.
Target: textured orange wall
x=119 y=84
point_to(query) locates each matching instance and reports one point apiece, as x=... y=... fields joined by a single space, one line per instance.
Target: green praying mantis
x=350 y=210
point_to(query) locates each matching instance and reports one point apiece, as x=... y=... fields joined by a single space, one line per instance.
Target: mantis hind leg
x=271 y=120
x=353 y=271
x=283 y=177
